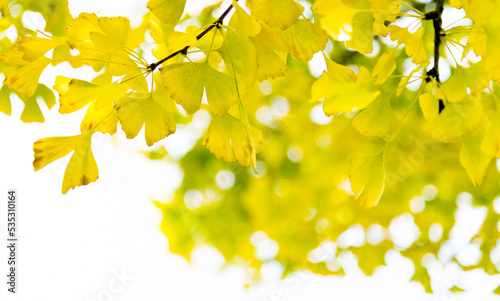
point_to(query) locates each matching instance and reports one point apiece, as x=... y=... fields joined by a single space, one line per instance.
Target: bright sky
x=102 y=241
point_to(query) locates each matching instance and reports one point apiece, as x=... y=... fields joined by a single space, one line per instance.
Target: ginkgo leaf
x=414 y=43
x=361 y=19
x=82 y=168
x=270 y=64
x=367 y=177
x=32 y=111
x=102 y=120
x=113 y=34
x=456 y=119
x=159 y=121
x=168 y=11
x=472 y=158
x=305 y=39
x=271 y=38
x=478 y=10
x=75 y=94
x=362 y=28
x=239 y=54
x=386 y=64
x=342 y=93
x=227 y=139
x=5 y=105
x=248 y=25
x=81 y=27
x=377 y=119
x=25 y=80
x=455 y=88
x=491 y=141
x=185 y=82
x=28 y=49
x=277 y=13
x=429 y=105
x=48 y=150
x=384 y=10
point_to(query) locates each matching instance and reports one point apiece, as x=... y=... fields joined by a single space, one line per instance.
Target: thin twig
x=184 y=50
x=437 y=21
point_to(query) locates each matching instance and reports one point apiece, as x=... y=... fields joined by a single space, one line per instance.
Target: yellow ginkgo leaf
x=185 y=82
x=75 y=94
x=305 y=39
x=82 y=168
x=377 y=119
x=270 y=64
x=25 y=80
x=159 y=121
x=472 y=158
x=31 y=111
x=362 y=32
x=367 y=177
x=50 y=149
x=81 y=27
x=178 y=40
x=455 y=88
x=168 y=11
x=386 y=64
x=334 y=15
x=28 y=49
x=342 y=93
x=361 y=19
x=384 y=10
x=280 y=13
x=491 y=141
x=239 y=50
x=271 y=38
x=478 y=10
x=5 y=105
x=248 y=25
x=414 y=43
x=228 y=139
x=457 y=119
x=429 y=105
x=103 y=120
x=113 y=34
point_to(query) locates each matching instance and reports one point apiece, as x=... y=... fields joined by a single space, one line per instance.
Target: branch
x=436 y=17
x=217 y=23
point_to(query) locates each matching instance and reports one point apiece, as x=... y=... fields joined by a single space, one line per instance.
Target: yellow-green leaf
x=377 y=119
x=277 y=13
x=472 y=158
x=367 y=176
x=305 y=39
x=133 y=113
x=227 y=138
x=168 y=11
x=25 y=80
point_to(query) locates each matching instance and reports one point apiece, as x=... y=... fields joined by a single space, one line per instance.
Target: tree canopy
x=403 y=121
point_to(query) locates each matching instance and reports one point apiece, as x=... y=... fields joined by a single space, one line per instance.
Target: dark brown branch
x=437 y=21
x=217 y=23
